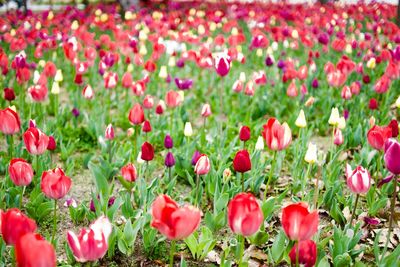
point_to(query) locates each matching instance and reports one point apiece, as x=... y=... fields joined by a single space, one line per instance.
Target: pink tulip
x=92 y=243
x=202 y=166
x=109 y=133
x=277 y=136
x=222 y=65
x=36 y=141
x=9 y=121
x=359 y=180
x=21 y=172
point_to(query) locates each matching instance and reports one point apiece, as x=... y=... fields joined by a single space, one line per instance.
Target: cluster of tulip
x=175 y=105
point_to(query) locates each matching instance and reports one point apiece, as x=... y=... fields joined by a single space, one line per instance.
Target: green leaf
x=279 y=243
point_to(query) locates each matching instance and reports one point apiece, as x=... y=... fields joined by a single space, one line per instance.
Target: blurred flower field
x=200 y=134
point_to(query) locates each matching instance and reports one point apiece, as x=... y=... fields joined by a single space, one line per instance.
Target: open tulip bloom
x=123 y=110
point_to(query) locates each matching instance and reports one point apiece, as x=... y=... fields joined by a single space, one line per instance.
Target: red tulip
x=307 y=251
x=50 y=69
x=55 y=184
x=245 y=133
x=202 y=166
x=242 y=162
x=38 y=92
x=147 y=152
x=92 y=243
x=382 y=85
x=146 y=126
x=358 y=180
x=33 y=250
x=9 y=121
x=36 y=141
x=52 y=144
x=244 y=214
x=277 y=136
x=378 y=135
x=21 y=172
x=298 y=223
x=222 y=65
x=15 y=224
x=129 y=172
x=394 y=125
x=9 y=94
x=173 y=221
x=136 y=115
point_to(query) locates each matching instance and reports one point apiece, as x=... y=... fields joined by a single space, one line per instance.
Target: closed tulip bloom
x=202 y=166
x=129 y=172
x=52 y=145
x=136 y=115
x=109 y=133
x=36 y=141
x=244 y=214
x=33 y=250
x=88 y=92
x=392 y=155
x=334 y=118
x=307 y=251
x=195 y=157
x=147 y=152
x=148 y=102
x=169 y=160
x=301 y=120
x=9 y=121
x=92 y=243
x=168 y=143
x=173 y=99
x=206 y=110
x=244 y=133
x=146 y=126
x=378 y=135
x=260 y=143
x=15 y=224
x=358 y=180
x=21 y=172
x=188 y=131
x=55 y=184
x=394 y=125
x=277 y=136
x=38 y=93
x=222 y=64
x=338 y=137
x=298 y=223
x=172 y=221
x=242 y=162
x=311 y=154
x=9 y=94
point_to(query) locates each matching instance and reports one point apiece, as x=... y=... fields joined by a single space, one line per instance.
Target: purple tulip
x=323 y=39
x=281 y=64
x=75 y=112
x=169 y=160
x=168 y=143
x=183 y=84
x=180 y=63
x=371 y=221
x=315 y=83
x=392 y=155
x=110 y=203
x=268 y=61
x=195 y=158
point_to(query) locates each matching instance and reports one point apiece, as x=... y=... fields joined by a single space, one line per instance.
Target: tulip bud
x=169 y=160
x=202 y=166
x=226 y=175
x=373 y=104
x=222 y=65
x=301 y=120
x=242 y=162
x=338 y=137
x=341 y=123
x=163 y=72
x=109 y=133
x=260 y=143
x=334 y=118
x=146 y=126
x=88 y=92
x=392 y=155
x=311 y=154
x=206 y=110
x=59 y=76
x=188 y=131
x=9 y=94
x=245 y=133
x=147 y=152
x=52 y=144
x=168 y=143
x=195 y=157
x=129 y=172
x=394 y=125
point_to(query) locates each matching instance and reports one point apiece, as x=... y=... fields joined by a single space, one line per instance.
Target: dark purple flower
x=281 y=64
x=268 y=61
x=386 y=180
x=169 y=160
x=9 y=94
x=323 y=38
x=75 y=112
x=195 y=158
x=346 y=114
x=315 y=83
x=168 y=79
x=180 y=63
x=111 y=201
x=168 y=143
x=183 y=84
x=371 y=221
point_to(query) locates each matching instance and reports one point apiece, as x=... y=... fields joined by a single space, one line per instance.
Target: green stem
x=271 y=172
x=221 y=95
x=297 y=253
x=172 y=253
x=21 y=197
x=110 y=155
x=10 y=142
x=240 y=240
x=12 y=252
x=170 y=174
x=197 y=200
x=304 y=181
x=37 y=166
x=242 y=175
x=54 y=221
x=316 y=193
x=354 y=209
x=392 y=205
